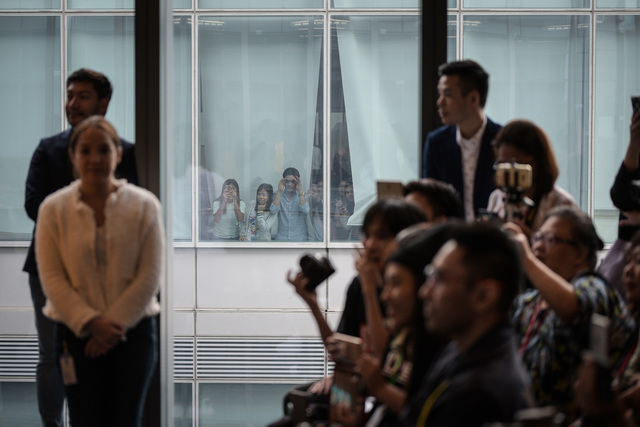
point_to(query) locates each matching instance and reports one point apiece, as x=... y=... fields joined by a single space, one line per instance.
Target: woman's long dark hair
x=269 y=189
x=233 y=182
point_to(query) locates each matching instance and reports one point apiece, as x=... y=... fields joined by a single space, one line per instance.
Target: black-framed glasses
x=550 y=239
x=290 y=181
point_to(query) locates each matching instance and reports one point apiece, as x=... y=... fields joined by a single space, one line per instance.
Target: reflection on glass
x=259 y=4
x=30 y=4
x=182 y=127
x=374 y=112
x=260 y=114
x=18 y=404
x=617 y=4
x=31 y=105
x=106 y=44
x=617 y=55
x=240 y=404
x=526 y=4
x=357 y=4
x=539 y=70
x=183 y=409
x=101 y=4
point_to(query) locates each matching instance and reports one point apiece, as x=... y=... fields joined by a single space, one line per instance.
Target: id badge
x=68 y=369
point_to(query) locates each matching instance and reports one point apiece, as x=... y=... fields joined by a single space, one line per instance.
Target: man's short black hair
x=100 y=82
x=490 y=253
x=442 y=197
x=472 y=77
x=291 y=171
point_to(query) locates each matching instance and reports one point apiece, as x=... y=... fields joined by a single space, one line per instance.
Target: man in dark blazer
x=460 y=152
x=88 y=93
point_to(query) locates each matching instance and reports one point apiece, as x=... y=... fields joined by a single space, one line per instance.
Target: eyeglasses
x=550 y=240
x=435 y=275
x=290 y=181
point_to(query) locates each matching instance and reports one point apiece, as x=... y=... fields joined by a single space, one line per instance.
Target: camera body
x=317 y=268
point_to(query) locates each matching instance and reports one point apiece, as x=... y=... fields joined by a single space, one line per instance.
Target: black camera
x=316 y=268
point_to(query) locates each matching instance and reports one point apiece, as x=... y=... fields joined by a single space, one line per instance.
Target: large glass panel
x=106 y=44
x=30 y=108
x=452 y=38
x=259 y=113
x=374 y=112
x=100 y=4
x=182 y=130
x=617 y=4
x=617 y=62
x=18 y=404
x=539 y=68
x=30 y=4
x=526 y=4
x=259 y=4
x=183 y=410
x=240 y=404
x=376 y=4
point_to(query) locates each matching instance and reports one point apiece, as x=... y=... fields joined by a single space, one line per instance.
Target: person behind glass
x=228 y=212
x=342 y=209
x=316 y=209
x=100 y=252
x=552 y=319
x=478 y=378
x=460 y=152
x=623 y=409
x=88 y=93
x=521 y=141
x=259 y=221
x=437 y=199
x=290 y=204
x=411 y=349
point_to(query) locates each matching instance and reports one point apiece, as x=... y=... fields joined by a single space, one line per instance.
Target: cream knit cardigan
x=65 y=253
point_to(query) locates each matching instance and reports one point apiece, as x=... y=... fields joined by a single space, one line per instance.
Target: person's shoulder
x=144 y=196
x=492 y=129
x=59 y=140
x=61 y=198
x=126 y=145
x=442 y=133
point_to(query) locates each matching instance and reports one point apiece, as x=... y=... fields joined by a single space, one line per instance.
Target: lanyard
x=532 y=329
x=428 y=404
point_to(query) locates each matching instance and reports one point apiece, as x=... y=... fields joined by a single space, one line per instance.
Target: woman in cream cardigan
x=99 y=246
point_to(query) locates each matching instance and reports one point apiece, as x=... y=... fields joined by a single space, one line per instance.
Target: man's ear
x=486 y=295
x=103 y=103
x=474 y=98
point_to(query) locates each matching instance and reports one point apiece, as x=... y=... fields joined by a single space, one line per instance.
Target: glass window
x=617 y=4
x=31 y=108
x=617 y=57
x=375 y=4
x=182 y=130
x=29 y=4
x=526 y=4
x=259 y=4
x=374 y=112
x=539 y=70
x=259 y=114
x=100 y=4
x=106 y=44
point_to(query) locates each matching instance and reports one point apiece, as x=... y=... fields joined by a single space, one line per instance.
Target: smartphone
x=599 y=349
x=635 y=104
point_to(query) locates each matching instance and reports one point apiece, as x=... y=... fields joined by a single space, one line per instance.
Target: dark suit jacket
x=51 y=170
x=442 y=161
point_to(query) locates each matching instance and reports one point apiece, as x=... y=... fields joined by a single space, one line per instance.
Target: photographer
x=521 y=141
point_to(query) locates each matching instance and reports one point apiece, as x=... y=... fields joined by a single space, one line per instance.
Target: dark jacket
x=442 y=161
x=51 y=170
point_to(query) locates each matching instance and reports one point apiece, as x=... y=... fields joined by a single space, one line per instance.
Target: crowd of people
x=485 y=307
x=472 y=302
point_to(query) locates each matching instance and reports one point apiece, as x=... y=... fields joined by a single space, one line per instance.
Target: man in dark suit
x=460 y=152
x=88 y=93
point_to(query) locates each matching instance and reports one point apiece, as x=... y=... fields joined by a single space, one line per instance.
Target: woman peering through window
x=228 y=212
x=259 y=222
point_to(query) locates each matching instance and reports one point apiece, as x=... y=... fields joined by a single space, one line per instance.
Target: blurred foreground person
x=467 y=296
x=99 y=246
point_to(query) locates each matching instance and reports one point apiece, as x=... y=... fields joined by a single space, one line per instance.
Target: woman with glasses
x=228 y=212
x=552 y=319
x=521 y=141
